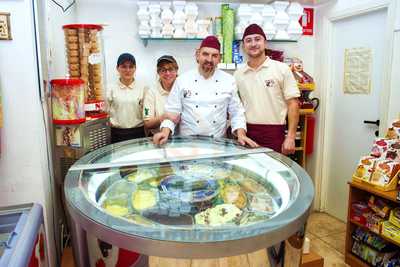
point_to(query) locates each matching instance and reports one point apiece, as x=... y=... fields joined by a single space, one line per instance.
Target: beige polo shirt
x=265 y=90
x=125 y=104
x=154 y=102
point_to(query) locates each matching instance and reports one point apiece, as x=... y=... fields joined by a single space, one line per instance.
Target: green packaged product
x=218 y=26
x=228 y=24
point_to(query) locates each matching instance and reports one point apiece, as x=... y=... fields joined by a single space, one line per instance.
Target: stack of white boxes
x=191 y=11
x=280 y=20
x=144 y=17
x=155 y=20
x=166 y=19
x=179 y=19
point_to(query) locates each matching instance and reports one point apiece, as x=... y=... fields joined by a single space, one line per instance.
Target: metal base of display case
x=289 y=255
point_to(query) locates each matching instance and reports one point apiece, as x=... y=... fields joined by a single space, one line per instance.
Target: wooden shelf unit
x=362 y=192
x=300 y=153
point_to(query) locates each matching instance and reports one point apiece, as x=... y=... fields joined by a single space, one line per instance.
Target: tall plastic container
x=85 y=60
x=68 y=101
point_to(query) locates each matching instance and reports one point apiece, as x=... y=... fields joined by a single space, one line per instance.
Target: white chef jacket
x=204 y=104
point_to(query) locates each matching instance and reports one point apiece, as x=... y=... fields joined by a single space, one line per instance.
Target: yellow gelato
x=116 y=210
x=144 y=199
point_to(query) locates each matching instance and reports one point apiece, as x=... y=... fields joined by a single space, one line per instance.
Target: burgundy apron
x=267 y=135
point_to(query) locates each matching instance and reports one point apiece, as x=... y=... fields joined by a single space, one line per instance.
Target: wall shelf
x=147 y=39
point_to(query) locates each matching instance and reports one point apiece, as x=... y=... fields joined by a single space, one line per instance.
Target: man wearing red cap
x=269 y=94
x=201 y=99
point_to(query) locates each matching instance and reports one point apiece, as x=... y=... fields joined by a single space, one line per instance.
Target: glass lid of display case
x=141 y=151
x=190 y=190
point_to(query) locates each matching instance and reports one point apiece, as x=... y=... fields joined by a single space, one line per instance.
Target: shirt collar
x=161 y=89
x=213 y=77
x=123 y=86
x=265 y=64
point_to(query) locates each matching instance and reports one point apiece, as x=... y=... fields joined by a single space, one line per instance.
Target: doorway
x=347 y=136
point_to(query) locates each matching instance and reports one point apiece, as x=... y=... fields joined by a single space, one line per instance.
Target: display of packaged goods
x=372 y=240
x=379 y=206
x=395 y=217
x=237 y=57
x=374 y=223
x=380 y=146
x=384 y=172
x=391 y=231
x=85 y=61
x=393 y=262
x=304 y=80
x=67 y=101
x=365 y=168
x=391 y=133
x=370 y=255
x=396 y=127
x=359 y=212
x=393 y=152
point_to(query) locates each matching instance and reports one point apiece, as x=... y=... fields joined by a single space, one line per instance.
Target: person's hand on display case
x=244 y=140
x=161 y=137
x=288 y=146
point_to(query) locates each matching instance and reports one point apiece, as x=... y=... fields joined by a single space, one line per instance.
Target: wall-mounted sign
x=5 y=26
x=307 y=21
x=357 y=70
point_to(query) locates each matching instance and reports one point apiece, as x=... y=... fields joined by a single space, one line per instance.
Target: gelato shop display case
x=195 y=197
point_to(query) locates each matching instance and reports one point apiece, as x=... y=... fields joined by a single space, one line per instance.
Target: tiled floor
x=326 y=233
x=327 y=236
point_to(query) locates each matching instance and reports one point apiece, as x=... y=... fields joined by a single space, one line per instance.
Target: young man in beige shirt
x=269 y=94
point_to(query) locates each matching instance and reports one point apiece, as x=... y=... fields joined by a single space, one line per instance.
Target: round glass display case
x=195 y=197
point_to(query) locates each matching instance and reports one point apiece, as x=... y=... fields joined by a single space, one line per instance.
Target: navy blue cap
x=124 y=58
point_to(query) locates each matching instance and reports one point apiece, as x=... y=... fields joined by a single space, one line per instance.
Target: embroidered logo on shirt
x=187 y=93
x=270 y=83
x=146 y=111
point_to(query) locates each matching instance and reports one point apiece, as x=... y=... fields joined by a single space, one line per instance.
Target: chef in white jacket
x=202 y=98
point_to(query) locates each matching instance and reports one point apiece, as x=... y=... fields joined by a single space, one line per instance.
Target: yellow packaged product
x=390 y=231
x=365 y=168
x=395 y=217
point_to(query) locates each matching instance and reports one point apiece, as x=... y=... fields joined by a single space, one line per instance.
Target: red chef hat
x=253 y=29
x=211 y=41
